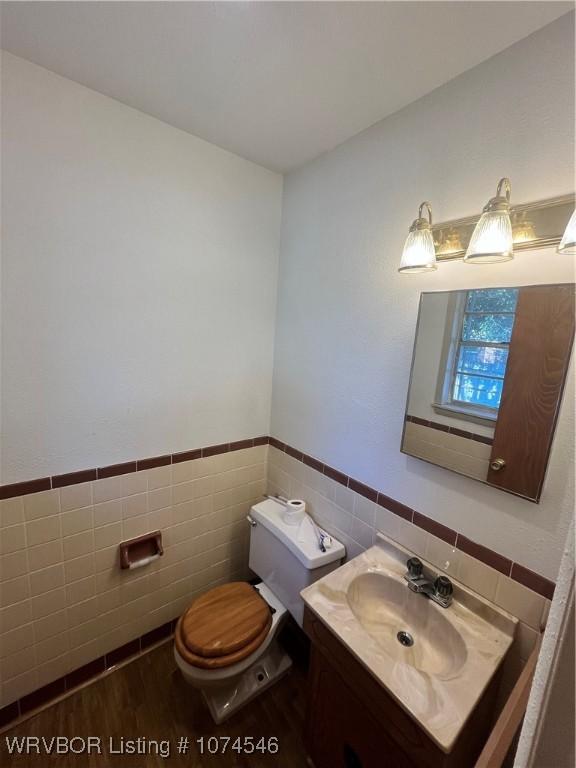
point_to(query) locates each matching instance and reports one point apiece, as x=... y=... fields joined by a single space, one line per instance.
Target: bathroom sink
x=435 y=662
x=410 y=628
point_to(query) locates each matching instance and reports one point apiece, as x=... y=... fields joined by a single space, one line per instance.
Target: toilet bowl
x=226 y=688
x=225 y=643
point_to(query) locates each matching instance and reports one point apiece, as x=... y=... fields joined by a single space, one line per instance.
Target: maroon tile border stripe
x=215 y=450
x=295 y=454
x=113 y=470
x=395 y=506
x=239 y=445
x=363 y=490
x=333 y=474
x=177 y=458
x=519 y=573
x=452 y=430
x=84 y=674
x=116 y=469
x=87 y=672
x=532 y=580
x=153 y=462
x=314 y=463
x=487 y=556
x=23 y=489
x=84 y=476
x=435 y=528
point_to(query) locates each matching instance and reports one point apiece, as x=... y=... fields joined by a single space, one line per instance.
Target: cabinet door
x=535 y=374
x=341 y=732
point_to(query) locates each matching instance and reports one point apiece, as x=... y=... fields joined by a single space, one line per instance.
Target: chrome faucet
x=439 y=588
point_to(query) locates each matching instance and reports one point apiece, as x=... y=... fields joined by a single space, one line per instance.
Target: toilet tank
x=287 y=557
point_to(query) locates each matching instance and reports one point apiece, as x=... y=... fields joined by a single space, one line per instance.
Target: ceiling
x=275 y=82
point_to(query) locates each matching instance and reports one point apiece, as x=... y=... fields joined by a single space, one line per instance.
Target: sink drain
x=405 y=638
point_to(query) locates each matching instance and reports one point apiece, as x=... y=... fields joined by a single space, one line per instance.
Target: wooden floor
x=148 y=698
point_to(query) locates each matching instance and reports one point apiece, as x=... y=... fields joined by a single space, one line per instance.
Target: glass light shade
x=491 y=240
x=568 y=242
x=419 y=254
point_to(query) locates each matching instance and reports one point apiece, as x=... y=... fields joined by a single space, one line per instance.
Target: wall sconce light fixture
x=568 y=242
x=491 y=240
x=419 y=254
x=499 y=233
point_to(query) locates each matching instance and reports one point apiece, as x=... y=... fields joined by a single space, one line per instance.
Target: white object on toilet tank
x=294 y=511
x=285 y=560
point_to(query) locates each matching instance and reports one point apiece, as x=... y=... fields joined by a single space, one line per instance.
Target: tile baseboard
x=24 y=708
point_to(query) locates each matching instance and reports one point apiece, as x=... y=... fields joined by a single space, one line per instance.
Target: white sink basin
x=439 y=677
x=394 y=616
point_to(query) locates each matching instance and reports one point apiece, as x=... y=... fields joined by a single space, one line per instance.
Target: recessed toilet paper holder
x=141 y=550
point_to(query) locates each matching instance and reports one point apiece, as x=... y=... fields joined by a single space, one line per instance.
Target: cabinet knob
x=497 y=464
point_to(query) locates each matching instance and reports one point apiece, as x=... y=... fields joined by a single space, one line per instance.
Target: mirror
x=488 y=371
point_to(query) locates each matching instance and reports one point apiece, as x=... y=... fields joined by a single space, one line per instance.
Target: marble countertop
x=456 y=651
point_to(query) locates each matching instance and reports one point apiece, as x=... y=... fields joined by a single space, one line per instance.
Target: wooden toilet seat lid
x=218 y=662
x=224 y=621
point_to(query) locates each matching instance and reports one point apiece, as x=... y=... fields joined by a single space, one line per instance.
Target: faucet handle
x=414 y=566
x=443 y=586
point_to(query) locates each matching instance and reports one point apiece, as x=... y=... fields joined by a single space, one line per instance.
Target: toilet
x=225 y=643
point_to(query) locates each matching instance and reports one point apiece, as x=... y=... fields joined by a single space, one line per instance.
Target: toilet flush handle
x=251 y=520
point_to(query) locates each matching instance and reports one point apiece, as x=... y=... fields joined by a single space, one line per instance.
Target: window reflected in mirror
x=474 y=366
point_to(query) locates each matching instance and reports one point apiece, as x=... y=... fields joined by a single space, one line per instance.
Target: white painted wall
x=139 y=282
x=427 y=357
x=346 y=318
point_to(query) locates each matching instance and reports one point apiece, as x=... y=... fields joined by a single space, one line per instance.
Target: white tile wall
x=63 y=598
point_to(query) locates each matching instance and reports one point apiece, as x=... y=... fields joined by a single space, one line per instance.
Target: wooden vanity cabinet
x=353 y=722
